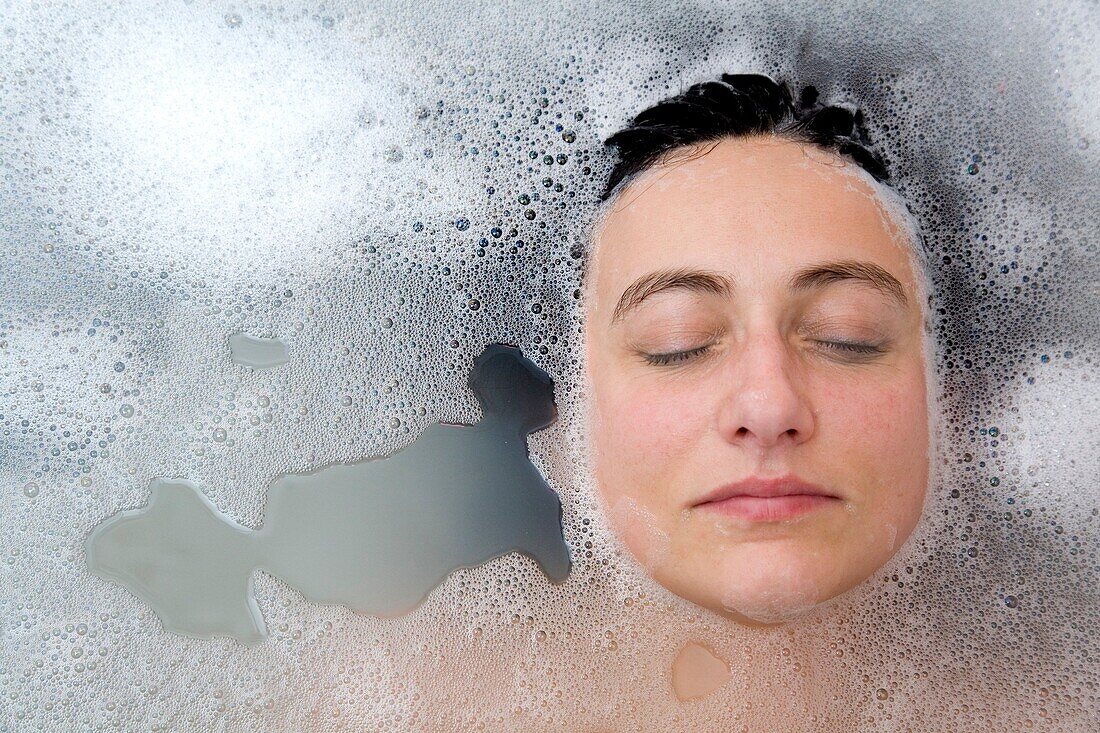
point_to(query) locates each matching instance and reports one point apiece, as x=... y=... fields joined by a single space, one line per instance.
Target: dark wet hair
x=739 y=105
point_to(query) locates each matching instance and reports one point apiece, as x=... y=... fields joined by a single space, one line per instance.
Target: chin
x=770 y=609
x=774 y=588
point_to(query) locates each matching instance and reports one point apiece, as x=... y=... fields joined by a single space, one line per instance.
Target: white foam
x=177 y=172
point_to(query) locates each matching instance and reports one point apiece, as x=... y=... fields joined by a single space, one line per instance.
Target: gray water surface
x=376 y=536
x=257 y=352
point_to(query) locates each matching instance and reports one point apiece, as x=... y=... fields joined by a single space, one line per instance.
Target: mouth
x=768 y=500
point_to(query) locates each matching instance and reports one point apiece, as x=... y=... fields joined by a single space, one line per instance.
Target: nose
x=764 y=405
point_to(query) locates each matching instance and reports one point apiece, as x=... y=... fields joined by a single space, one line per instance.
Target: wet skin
x=753 y=312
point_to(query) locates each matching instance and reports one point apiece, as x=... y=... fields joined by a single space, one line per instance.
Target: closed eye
x=853 y=349
x=675 y=356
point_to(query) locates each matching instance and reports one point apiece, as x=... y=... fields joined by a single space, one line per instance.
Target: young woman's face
x=754 y=331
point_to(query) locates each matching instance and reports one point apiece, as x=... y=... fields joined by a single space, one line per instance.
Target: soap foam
x=389 y=189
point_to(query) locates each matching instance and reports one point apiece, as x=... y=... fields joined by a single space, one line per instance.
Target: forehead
x=760 y=204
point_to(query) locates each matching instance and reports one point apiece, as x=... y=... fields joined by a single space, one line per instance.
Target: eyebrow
x=867 y=273
x=705 y=281
x=700 y=281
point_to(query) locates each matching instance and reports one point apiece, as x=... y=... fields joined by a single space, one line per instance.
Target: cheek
x=873 y=419
x=644 y=432
x=651 y=424
x=881 y=432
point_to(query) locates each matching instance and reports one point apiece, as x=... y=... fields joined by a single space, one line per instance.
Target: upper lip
x=766 y=488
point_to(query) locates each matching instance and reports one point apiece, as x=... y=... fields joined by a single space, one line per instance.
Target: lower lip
x=772 y=508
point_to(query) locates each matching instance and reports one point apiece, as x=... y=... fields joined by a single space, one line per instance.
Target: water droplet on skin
x=31 y=489
x=127 y=410
x=233 y=20
x=1012 y=601
x=219 y=435
x=881 y=694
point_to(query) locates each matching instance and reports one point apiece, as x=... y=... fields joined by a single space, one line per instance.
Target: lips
x=774 y=499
